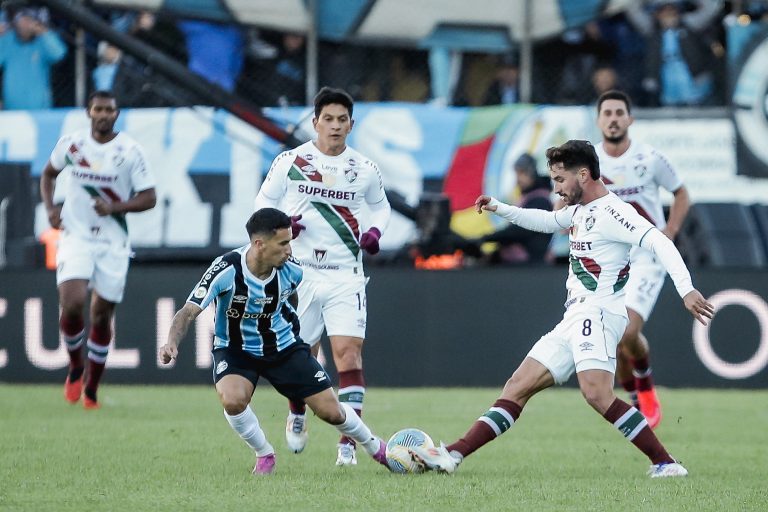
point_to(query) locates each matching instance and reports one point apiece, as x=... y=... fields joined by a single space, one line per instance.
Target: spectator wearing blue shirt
x=26 y=55
x=681 y=60
x=104 y=74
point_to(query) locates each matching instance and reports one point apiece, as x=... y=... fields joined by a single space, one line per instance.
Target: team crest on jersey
x=640 y=170
x=221 y=367
x=309 y=170
x=589 y=223
x=200 y=292
x=320 y=255
x=350 y=174
x=118 y=159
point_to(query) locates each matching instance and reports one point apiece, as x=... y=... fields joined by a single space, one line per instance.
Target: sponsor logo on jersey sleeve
x=620 y=218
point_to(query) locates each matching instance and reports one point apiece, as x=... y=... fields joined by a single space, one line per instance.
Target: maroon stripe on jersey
x=607 y=181
x=642 y=212
x=78 y=158
x=349 y=219
x=591 y=266
x=313 y=175
x=623 y=272
x=111 y=194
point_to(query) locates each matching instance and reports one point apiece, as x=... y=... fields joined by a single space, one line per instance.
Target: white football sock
x=354 y=427
x=247 y=425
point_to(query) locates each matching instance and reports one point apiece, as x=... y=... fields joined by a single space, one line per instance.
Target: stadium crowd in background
x=27 y=51
x=663 y=52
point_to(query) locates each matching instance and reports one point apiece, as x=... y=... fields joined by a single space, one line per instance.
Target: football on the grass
x=399 y=459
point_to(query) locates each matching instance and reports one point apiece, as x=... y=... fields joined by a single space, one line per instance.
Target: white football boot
x=346 y=455
x=667 y=470
x=436 y=458
x=296 y=432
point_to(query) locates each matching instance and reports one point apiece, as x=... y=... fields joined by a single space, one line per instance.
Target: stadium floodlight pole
x=526 y=52
x=179 y=74
x=312 y=51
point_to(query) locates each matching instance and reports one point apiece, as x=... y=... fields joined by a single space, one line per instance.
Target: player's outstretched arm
x=179 y=327
x=699 y=307
x=532 y=219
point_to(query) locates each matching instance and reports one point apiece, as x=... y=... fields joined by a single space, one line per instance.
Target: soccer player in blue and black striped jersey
x=257 y=334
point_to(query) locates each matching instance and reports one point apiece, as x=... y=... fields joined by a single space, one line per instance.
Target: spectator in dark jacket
x=518 y=245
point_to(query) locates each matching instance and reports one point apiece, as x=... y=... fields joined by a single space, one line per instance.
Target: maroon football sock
x=497 y=420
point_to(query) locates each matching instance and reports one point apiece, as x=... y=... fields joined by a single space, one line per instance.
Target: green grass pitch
x=169 y=448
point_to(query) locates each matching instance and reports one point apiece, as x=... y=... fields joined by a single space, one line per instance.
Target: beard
x=616 y=139
x=103 y=128
x=574 y=197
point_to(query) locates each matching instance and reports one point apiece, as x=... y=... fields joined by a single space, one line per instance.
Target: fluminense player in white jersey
x=324 y=185
x=635 y=172
x=108 y=177
x=603 y=229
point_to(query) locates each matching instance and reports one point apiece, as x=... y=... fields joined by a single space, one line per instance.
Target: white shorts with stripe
x=339 y=307
x=585 y=339
x=103 y=263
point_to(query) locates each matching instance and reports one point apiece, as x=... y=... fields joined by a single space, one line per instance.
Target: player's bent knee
x=598 y=399
x=332 y=414
x=517 y=389
x=233 y=402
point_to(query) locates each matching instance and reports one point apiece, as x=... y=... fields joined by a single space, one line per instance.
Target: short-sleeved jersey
x=601 y=235
x=252 y=314
x=636 y=177
x=111 y=171
x=329 y=192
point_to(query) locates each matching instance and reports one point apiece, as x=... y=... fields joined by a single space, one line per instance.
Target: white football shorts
x=585 y=339
x=646 y=279
x=337 y=306
x=104 y=264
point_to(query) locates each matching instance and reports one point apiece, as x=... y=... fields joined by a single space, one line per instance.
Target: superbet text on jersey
x=110 y=171
x=329 y=193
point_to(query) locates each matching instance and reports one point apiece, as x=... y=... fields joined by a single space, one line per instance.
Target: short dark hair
x=102 y=94
x=527 y=164
x=329 y=95
x=575 y=154
x=267 y=221
x=614 y=94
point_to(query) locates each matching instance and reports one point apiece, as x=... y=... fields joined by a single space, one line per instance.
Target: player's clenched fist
x=168 y=353
x=484 y=203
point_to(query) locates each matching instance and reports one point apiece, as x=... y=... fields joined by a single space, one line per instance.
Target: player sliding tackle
x=603 y=229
